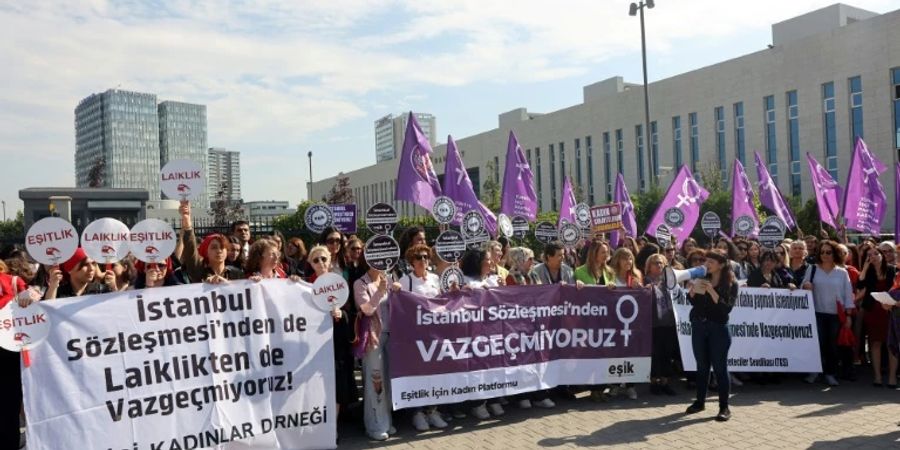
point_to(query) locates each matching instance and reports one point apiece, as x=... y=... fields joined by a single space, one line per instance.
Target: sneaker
x=631 y=393
x=724 y=415
x=524 y=403
x=378 y=436
x=481 y=412
x=419 y=421
x=811 y=378
x=668 y=389
x=392 y=431
x=496 y=409
x=831 y=380
x=545 y=403
x=735 y=381
x=695 y=408
x=435 y=420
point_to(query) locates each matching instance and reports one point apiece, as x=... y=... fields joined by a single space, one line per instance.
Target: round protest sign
x=473 y=224
x=106 y=240
x=330 y=291
x=504 y=224
x=23 y=328
x=583 y=215
x=545 y=232
x=450 y=246
x=776 y=221
x=381 y=218
x=51 y=241
x=382 y=252
x=743 y=226
x=520 y=227
x=182 y=179
x=569 y=234
x=770 y=234
x=443 y=209
x=663 y=236
x=152 y=240
x=318 y=217
x=711 y=224
x=451 y=275
x=673 y=217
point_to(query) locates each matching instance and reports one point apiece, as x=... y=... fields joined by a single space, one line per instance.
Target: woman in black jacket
x=767 y=274
x=712 y=299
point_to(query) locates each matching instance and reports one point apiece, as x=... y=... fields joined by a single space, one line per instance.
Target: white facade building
x=830 y=75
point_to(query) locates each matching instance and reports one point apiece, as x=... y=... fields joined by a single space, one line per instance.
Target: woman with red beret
x=207 y=262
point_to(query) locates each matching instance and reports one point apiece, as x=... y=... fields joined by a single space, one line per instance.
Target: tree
x=97 y=173
x=491 y=189
x=14 y=228
x=341 y=193
x=224 y=211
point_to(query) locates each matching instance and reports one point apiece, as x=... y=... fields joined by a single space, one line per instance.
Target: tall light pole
x=309 y=191
x=633 y=11
x=4 y=209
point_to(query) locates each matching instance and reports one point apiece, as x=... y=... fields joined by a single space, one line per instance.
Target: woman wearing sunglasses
x=422 y=281
x=333 y=240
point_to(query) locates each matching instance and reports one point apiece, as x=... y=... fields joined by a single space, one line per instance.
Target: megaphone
x=672 y=276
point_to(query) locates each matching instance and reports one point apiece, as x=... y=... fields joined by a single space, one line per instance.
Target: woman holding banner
x=625 y=275
x=371 y=295
x=594 y=272
x=665 y=338
x=422 y=281
x=712 y=299
x=766 y=275
x=521 y=262
x=263 y=259
x=205 y=263
x=75 y=277
x=877 y=276
x=831 y=287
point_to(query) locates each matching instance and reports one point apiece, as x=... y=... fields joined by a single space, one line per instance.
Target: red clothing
x=7 y=293
x=877 y=320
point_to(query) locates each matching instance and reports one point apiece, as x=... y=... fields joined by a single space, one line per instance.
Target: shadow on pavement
x=886 y=440
x=627 y=432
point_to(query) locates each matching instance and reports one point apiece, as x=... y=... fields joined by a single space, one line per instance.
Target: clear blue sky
x=282 y=79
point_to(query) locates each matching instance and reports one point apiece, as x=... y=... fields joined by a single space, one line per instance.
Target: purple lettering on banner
x=487 y=343
x=344 y=218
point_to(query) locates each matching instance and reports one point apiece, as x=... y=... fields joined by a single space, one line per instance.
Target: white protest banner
x=772 y=330
x=237 y=365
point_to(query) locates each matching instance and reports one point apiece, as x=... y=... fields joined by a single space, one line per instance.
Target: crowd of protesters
x=842 y=277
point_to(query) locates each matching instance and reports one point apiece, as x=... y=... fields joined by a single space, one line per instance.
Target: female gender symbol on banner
x=690 y=192
x=626 y=322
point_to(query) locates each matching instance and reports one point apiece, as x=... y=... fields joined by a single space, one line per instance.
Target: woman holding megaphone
x=712 y=298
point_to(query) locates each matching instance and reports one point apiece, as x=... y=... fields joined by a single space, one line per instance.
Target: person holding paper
x=877 y=276
x=712 y=299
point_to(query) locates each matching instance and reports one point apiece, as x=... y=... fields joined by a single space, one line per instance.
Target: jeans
x=828 y=327
x=377 y=388
x=711 y=342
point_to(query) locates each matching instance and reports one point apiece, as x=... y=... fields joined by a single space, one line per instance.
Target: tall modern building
x=182 y=133
x=121 y=128
x=391 y=129
x=224 y=167
x=829 y=76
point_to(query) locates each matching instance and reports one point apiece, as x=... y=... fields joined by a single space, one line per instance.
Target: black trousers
x=11 y=384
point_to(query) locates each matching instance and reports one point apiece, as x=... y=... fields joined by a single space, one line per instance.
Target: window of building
x=654 y=151
x=639 y=150
x=607 y=165
x=739 y=132
x=552 y=179
x=695 y=141
x=590 y=168
x=539 y=178
x=895 y=83
x=620 y=152
x=676 y=141
x=856 y=109
x=719 y=113
x=830 y=129
x=562 y=163
x=496 y=169
x=578 y=162
x=771 y=142
x=794 y=140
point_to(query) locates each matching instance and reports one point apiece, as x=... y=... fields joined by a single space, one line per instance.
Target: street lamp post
x=4 y=210
x=638 y=9
x=309 y=191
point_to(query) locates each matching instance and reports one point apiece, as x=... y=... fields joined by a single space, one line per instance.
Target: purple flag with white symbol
x=680 y=208
x=416 y=180
x=519 y=197
x=864 y=194
x=458 y=187
x=567 y=206
x=827 y=192
x=771 y=197
x=744 y=221
x=629 y=222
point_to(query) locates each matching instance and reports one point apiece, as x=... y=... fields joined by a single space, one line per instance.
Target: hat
x=75 y=260
x=203 y=250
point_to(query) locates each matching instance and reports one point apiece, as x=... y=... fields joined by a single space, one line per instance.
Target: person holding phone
x=712 y=299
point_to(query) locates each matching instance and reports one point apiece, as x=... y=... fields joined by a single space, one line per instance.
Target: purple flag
x=567 y=204
x=743 y=212
x=827 y=192
x=864 y=194
x=897 y=203
x=458 y=187
x=416 y=180
x=629 y=222
x=770 y=196
x=519 y=197
x=680 y=208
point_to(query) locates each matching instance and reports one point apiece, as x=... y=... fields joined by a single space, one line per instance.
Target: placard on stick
x=606 y=218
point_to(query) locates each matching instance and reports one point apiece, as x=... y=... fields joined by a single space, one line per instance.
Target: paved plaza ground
x=791 y=415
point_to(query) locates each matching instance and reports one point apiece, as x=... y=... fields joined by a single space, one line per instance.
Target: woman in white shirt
x=421 y=281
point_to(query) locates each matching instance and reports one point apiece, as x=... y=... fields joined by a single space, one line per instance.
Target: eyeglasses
x=320 y=259
x=355 y=249
x=423 y=257
x=330 y=241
